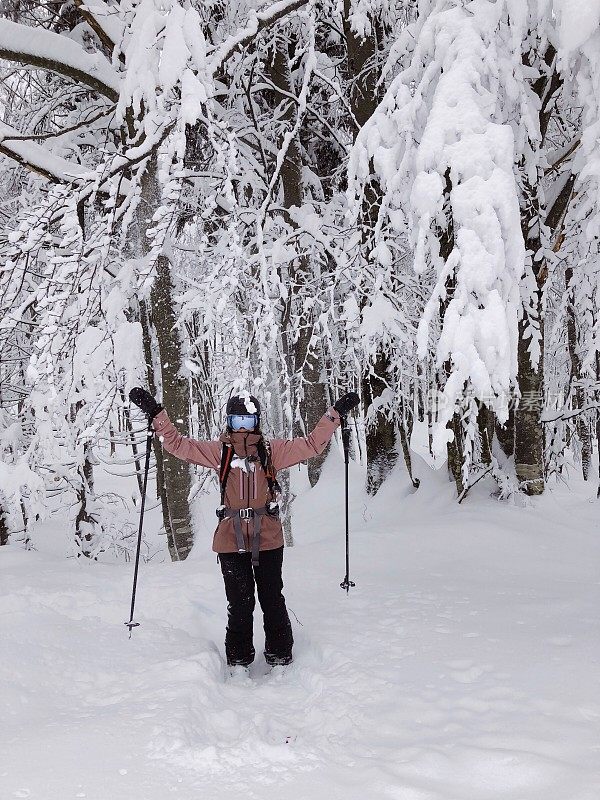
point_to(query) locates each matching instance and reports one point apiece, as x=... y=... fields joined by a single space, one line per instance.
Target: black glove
x=144 y=400
x=346 y=403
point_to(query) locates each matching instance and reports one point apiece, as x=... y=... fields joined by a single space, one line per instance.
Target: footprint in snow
x=467 y=672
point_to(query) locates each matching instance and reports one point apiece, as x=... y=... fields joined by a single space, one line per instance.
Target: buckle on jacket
x=246 y=513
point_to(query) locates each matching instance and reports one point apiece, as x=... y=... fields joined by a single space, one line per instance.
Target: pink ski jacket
x=246 y=488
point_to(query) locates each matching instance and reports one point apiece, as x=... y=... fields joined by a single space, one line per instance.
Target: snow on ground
x=463 y=666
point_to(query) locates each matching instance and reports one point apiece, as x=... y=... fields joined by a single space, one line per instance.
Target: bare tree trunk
x=577 y=392
x=276 y=413
x=405 y=430
x=486 y=423
x=529 y=435
x=529 y=431
x=506 y=434
x=456 y=456
x=363 y=72
x=156 y=446
x=598 y=449
x=597 y=413
x=25 y=518
x=380 y=438
x=111 y=434
x=176 y=473
x=305 y=363
x=455 y=447
x=314 y=399
x=362 y=69
x=4 y=532
x=85 y=523
x=173 y=475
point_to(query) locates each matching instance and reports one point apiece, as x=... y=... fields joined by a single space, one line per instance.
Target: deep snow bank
x=463 y=666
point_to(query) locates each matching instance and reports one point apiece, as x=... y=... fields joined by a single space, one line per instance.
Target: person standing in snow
x=249 y=536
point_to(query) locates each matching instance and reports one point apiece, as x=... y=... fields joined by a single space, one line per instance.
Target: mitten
x=144 y=400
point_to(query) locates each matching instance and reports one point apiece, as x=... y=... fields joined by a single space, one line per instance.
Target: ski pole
x=346 y=583
x=131 y=624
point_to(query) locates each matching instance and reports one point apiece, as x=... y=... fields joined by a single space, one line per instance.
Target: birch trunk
x=84 y=521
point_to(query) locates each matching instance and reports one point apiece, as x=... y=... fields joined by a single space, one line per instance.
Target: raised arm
x=206 y=454
x=287 y=452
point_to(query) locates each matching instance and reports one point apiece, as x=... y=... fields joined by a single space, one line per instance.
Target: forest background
x=297 y=198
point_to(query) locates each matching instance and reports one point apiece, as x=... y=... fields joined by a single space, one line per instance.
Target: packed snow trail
x=463 y=666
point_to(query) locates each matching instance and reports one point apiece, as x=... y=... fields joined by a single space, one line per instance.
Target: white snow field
x=464 y=665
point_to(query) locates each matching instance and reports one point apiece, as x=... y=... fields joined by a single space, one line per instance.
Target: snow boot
x=238 y=673
x=278 y=669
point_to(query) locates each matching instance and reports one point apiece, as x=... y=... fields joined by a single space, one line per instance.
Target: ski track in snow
x=463 y=666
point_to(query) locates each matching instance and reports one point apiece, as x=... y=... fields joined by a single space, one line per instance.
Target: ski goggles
x=238 y=421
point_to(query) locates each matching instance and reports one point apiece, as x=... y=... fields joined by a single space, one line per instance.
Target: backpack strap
x=266 y=462
x=225 y=468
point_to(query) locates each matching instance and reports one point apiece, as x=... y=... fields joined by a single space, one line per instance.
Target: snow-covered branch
x=103 y=20
x=44 y=49
x=37 y=158
x=258 y=22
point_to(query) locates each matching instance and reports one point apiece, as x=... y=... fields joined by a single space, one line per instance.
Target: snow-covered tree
x=460 y=146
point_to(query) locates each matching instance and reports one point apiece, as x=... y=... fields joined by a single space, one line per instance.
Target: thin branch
x=550 y=417
x=465 y=491
x=63 y=132
x=565 y=154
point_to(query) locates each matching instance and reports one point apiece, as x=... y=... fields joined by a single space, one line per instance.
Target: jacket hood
x=243 y=444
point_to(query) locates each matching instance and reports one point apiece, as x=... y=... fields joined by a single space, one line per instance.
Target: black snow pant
x=240 y=577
